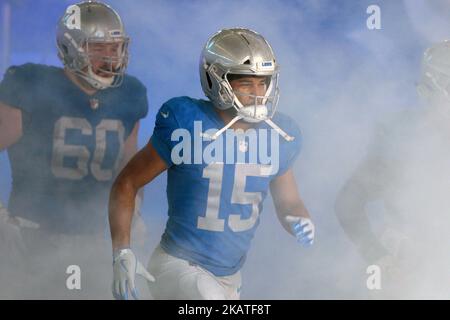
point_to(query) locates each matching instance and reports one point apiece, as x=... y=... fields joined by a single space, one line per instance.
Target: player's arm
x=130 y=149
x=366 y=184
x=140 y=170
x=10 y=125
x=291 y=210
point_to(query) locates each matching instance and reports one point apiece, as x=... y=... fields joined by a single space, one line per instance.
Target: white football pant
x=178 y=279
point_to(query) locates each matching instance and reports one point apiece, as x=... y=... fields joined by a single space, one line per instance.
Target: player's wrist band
x=117 y=251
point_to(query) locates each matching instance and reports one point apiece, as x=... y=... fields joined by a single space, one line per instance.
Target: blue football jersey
x=72 y=144
x=216 y=188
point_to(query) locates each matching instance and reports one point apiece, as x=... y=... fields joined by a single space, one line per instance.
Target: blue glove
x=303 y=229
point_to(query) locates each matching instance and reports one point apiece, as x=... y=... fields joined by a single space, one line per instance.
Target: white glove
x=125 y=268
x=303 y=229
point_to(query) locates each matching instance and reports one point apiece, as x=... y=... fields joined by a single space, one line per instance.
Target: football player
x=214 y=204
x=68 y=131
x=407 y=168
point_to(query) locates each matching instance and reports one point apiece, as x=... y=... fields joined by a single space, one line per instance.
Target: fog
x=339 y=81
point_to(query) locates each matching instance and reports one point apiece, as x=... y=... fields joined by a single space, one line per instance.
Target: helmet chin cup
x=254 y=114
x=260 y=109
x=96 y=81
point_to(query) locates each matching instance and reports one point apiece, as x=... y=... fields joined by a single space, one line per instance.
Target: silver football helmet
x=434 y=84
x=240 y=51
x=92 y=43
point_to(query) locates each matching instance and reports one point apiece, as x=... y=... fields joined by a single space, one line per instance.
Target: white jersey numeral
x=211 y=221
x=214 y=172
x=100 y=148
x=62 y=150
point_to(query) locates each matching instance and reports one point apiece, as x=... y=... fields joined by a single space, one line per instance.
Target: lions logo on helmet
x=81 y=30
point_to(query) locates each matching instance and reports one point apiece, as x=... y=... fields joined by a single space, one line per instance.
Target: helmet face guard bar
x=112 y=68
x=262 y=108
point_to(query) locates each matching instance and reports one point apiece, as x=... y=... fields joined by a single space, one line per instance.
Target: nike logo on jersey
x=165 y=115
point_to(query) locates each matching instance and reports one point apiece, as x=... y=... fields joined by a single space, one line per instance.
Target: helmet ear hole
x=208 y=78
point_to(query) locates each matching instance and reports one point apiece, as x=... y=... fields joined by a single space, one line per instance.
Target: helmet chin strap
x=239 y=117
x=279 y=130
x=260 y=117
x=218 y=133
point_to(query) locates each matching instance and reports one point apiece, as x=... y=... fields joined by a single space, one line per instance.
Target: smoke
x=338 y=80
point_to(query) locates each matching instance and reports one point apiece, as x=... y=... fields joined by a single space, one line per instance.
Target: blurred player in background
x=214 y=205
x=408 y=169
x=68 y=131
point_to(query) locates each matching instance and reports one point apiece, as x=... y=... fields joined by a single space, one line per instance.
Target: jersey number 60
x=80 y=152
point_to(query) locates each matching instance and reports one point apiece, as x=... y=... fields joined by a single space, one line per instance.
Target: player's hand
x=125 y=268
x=303 y=229
x=399 y=247
x=11 y=241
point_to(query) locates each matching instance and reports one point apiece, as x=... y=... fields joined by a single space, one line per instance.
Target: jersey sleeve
x=141 y=103
x=165 y=124
x=370 y=181
x=290 y=150
x=17 y=88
